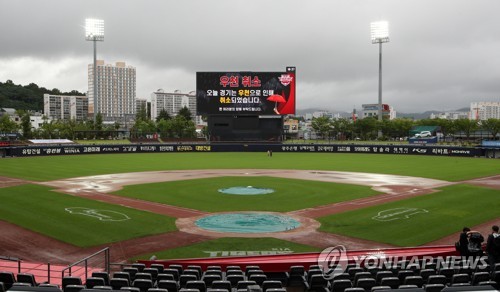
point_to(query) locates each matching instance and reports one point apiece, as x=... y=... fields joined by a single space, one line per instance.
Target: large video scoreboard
x=246 y=93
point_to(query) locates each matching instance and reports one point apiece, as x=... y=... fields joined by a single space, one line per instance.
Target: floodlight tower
x=380 y=34
x=94 y=31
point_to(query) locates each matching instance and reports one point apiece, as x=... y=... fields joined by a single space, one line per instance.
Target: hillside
x=28 y=97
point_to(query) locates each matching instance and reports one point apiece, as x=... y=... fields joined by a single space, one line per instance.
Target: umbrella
x=276 y=98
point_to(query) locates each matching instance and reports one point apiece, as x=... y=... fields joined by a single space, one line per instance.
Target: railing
x=77 y=265
x=11 y=259
x=42 y=270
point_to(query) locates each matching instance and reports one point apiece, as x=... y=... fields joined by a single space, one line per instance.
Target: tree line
x=28 y=97
x=368 y=128
x=177 y=127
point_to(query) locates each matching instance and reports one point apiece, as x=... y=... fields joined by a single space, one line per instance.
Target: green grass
x=231 y=247
x=289 y=194
x=448 y=211
x=37 y=208
x=57 y=167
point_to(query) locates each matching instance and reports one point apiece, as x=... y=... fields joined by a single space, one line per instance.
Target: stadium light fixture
x=94 y=31
x=379 y=35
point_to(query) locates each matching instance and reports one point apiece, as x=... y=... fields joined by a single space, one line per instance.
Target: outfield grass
x=37 y=208
x=289 y=194
x=231 y=247
x=57 y=167
x=449 y=211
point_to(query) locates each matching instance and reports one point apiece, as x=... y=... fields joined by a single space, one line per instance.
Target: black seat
x=244 y=284
x=460 y=279
x=297 y=277
x=7 y=278
x=170 y=285
x=340 y=285
x=210 y=278
x=214 y=268
x=27 y=278
x=183 y=279
x=258 y=278
x=159 y=267
x=73 y=288
x=200 y=285
x=414 y=280
x=157 y=290
x=103 y=275
x=437 y=279
x=195 y=267
x=139 y=266
x=383 y=274
x=234 y=279
x=103 y=288
x=378 y=288
x=192 y=272
x=130 y=289
x=131 y=271
x=425 y=273
x=392 y=282
x=118 y=283
x=478 y=277
x=271 y=284
x=403 y=274
x=366 y=283
x=152 y=271
x=146 y=276
x=222 y=284
x=361 y=275
x=176 y=267
x=318 y=283
x=165 y=277
x=434 y=287
x=143 y=284
x=94 y=281
x=122 y=275
x=174 y=272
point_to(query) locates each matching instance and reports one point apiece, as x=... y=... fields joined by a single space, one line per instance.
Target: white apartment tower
x=172 y=102
x=484 y=110
x=116 y=90
x=65 y=107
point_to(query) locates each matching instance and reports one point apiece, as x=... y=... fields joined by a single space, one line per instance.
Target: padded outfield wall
x=26 y=151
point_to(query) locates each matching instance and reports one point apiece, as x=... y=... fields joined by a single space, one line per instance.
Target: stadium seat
x=233 y=268
x=195 y=267
x=214 y=268
x=460 y=279
x=253 y=272
x=157 y=290
x=383 y=274
x=183 y=279
x=271 y=284
x=222 y=284
x=102 y=288
x=209 y=279
x=353 y=271
x=146 y=276
x=297 y=277
x=192 y=272
x=342 y=276
x=437 y=279
x=70 y=280
x=7 y=278
x=118 y=283
x=188 y=290
x=152 y=271
x=73 y=288
x=170 y=285
x=130 y=289
x=235 y=272
x=478 y=277
x=94 y=281
x=102 y=275
x=447 y=272
x=122 y=275
x=143 y=284
x=366 y=283
x=258 y=278
x=212 y=272
x=402 y=274
x=165 y=277
x=217 y=290
x=393 y=282
x=312 y=272
x=2 y=287
x=27 y=278
x=490 y=283
x=354 y=289
x=361 y=275
x=276 y=290
x=131 y=271
x=200 y=285
x=378 y=288
x=402 y=287
x=18 y=284
x=140 y=267
x=244 y=284
x=414 y=280
x=173 y=272
x=159 y=267
x=234 y=279
x=340 y=285
x=495 y=276
x=425 y=273
x=176 y=267
x=434 y=287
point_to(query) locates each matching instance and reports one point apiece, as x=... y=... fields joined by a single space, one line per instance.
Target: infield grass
x=288 y=195
x=37 y=208
x=448 y=211
x=231 y=246
x=58 y=167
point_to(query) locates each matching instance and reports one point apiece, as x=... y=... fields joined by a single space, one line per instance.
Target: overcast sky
x=442 y=55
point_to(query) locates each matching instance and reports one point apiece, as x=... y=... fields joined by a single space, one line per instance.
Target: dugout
x=245 y=128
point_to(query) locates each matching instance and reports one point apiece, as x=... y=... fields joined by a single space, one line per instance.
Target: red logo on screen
x=285 y=79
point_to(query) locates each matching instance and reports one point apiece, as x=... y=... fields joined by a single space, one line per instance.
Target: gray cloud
x=442 y=54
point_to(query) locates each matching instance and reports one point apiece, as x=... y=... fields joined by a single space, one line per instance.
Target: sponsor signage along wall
x=245 y=93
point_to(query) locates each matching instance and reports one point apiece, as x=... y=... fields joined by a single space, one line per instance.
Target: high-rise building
x=484 y=110
x=371 y=110
x=116 y=91
x=65 y=107
x=172 y=102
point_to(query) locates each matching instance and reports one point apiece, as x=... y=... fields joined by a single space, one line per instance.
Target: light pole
x=380 y=34
x=94 y=31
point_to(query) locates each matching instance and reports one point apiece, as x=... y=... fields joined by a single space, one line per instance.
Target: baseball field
x=144 y=204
